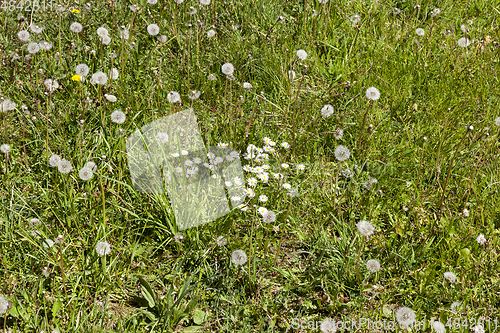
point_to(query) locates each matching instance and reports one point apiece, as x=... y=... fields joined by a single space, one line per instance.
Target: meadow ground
x=368 y=132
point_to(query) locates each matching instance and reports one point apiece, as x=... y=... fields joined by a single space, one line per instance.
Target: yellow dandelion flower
x=76 y=78
x=76 y=11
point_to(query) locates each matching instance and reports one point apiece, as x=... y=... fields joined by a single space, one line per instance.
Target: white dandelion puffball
x=227 y=68
x=481 y=239
x=118 y=116
x=103 y=248
x=114 y=74
x=100 y=78
x=339 y=133
x=464 y=28
x=455 y=306
x=45 y=45
x=5 y=148
x=247 y=85
x=420 y=32
x=466 y=212
x=497 y=121
x=373 y=265
x=372 y=93
x=33 y=48
x=205 y=2
x=82 y=70
x=106 y=40
x=152 y=2
x=76 y=27
x=4 y=305
x=327 y=111
x=111 y=98
x=365 y=228
x=323 y=1
x=7 y=105
x=405 y=316
x=101 y=32
x=301 y=54
x=85 y=173
x=239 y=257
x=23 y=35
x=291 y=75
x=91 y=165
x=478 y=329
x=163 y=137
x=48 y=243
x=221 y=241
x=192 y=10
x=54 y=160
x=153 y=29
x=162 y=39
x=268 y=216
x=210 y=33
x=51 y=85
x=396 y=11
x=194 y=94
x=435 y=12
x=124 y=33
x=328 y=325
x=178 y=1
x=463 y=42
x=355 y=19
x=450 y=276
x=173 y=97
x=35 y=28
x=438 y=327
x=342 y=153
x=64 y=166
x=134 y=7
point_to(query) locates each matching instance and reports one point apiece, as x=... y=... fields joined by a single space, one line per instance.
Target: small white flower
x=85 y=173
x=184 y=152
x=173 y=97
x=118 y=116
x=194 y=94
x=450 y=277
x=33 y=48
x=64 y=166
x=239 y=257
x=365 y=228
x=23 y=35
x=342 y=153
x=252 y=182
x=481 y=239
x=438 y=327
x=466 y=212
x=5 y=148
x=372 y=93
x=153 y=29
x=269 y=216
x=301 y=54
x=103 y=248
x=355 y=19
x=48 y=243
x=82 y=70
x=463 y=42
x=101 y=32
x=405 y=316
x=76 y=27
x=221 y=241
x=227 y=68
x=327 y=111
x=328 y=325
x=285 y=145
x=284 y=165
x=54 y=160
x=250 y=193
x=263 y=198
x=262 y=210
x=99 y=78
x=163 y=137
x=114 y=74
x=111 y=98
x=373 y=265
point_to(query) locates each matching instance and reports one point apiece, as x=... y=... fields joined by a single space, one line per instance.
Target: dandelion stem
x=363 y=126
x=295 y=106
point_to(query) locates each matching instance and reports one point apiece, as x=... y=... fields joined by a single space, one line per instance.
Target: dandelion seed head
x=221 y=241
x=173 y=97
x=153 y=29
x=194 y=94
x=118 y=116
x=327 y=111
x=5 y=148
x=438 y=327
x=450 y=276
x=210 y=33
x=101 y=32
x=372 y=93
x=33 y=48
x=420 y=32
x=23 y=35
x=342 y=153
x=239 y=257
x=64 y=166
x=365 y=228
x=405 y=316
x=463 y=42
x=269 y=216
x=227 y=68
x=114 y=74
x=103 y=248
x=54 y=160
x=301 y=54
x=111 y=98
x=85 y=173
x=99 y=78
x=373 y=265
x=481 y=239
x=48 y=243
x=328 y=325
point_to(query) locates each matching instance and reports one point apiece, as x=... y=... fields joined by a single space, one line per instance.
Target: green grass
x=308 y=270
